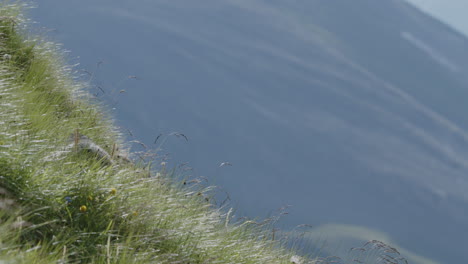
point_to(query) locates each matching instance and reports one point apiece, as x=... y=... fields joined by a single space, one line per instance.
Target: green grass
x=58 y=205
x=61 y=205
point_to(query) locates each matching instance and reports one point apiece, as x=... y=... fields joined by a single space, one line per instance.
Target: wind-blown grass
x=60 y=205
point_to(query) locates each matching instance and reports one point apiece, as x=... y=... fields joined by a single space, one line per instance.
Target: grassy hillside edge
x=60 y=203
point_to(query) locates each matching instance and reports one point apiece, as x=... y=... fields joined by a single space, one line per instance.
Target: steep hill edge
x=69 y=195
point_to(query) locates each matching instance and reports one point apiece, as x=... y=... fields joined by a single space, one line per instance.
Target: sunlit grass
x=67 y=206
x=60 y=204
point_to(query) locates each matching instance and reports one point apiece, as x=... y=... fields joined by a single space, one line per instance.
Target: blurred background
x=352 y=115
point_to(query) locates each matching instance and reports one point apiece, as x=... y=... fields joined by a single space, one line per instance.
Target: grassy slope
x=45 y=185
x=59 y=205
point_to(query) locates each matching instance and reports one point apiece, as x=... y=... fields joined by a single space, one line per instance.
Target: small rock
x=296 y=260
